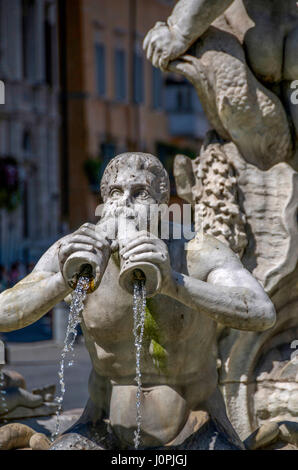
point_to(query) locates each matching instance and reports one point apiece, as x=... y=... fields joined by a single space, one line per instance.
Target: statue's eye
x=116 y=193
x=142 y=194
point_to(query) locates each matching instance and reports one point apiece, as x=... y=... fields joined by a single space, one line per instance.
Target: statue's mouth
x=117 y=209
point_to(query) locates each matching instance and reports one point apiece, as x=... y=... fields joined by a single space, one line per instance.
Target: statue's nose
x=127 y=198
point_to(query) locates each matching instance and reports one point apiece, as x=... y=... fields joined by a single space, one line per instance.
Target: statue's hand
x=163 y=44
x=87 y=238
x=145 y=247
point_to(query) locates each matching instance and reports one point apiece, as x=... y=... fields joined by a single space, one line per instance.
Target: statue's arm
x=230 y=296
x=191 y=18
x=166 y=42
x=39 y=292
x=35 y=295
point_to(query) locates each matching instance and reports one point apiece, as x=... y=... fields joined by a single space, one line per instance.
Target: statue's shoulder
x=206 y=253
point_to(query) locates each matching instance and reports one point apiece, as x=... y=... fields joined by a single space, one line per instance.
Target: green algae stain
x=159 y=356
x=150 y=325
x=152 y=335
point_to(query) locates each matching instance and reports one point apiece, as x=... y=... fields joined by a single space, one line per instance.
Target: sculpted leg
x=208 y=429
x=208 y=437
x=216 y=408
x=239 y=107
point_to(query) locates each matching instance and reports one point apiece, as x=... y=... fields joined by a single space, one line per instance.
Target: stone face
x=244 y=189
x=202 y=283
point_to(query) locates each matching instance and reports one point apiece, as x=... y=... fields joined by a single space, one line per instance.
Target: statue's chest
x=108 y=315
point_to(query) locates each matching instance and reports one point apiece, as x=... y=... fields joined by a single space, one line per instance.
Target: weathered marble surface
x=267 y=202
x=251 y=210
x=242 y=62
x=20 y=403
x=201 y=286
x=22 y=412
x=34 y=433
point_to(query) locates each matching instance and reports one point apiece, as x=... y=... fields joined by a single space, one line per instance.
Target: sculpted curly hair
x=137 y=161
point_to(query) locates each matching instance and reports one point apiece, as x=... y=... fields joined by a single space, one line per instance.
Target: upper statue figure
x=243 y=65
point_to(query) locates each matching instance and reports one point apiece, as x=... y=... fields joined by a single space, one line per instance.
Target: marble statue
x=241 y=57
x=16 y=393
x=242 y=64
x=203 y=284
x=16 y=401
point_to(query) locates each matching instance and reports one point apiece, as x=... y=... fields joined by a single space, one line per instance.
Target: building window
x=138 y=78
x=171 y=3
x=184 y=102
x=27 y=153
x=48 y=34
x=107 y=152
x=28 y=32
x=180 y=97
x=100 y=69
x=157 y=88
x=27 y=144
x=2 y=46
x=120 y=75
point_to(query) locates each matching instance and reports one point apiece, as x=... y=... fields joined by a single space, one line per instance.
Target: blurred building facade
x=114 y=100
x=29 y=129
x=79 y=90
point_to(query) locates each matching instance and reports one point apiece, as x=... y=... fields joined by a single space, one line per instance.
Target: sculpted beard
x=116 y=212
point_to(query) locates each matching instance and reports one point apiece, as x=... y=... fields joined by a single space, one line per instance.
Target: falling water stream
x=139 y=305
x=76 y=307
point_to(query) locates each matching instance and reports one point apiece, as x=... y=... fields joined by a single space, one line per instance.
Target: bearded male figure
x=203 y=283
